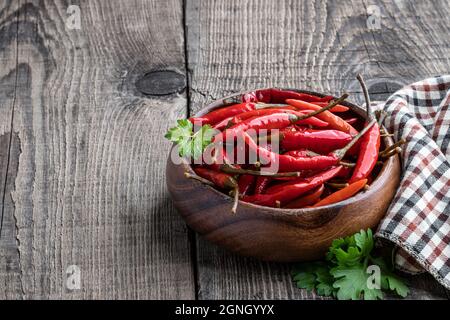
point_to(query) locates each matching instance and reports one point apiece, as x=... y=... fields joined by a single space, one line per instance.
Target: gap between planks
x=192 y=236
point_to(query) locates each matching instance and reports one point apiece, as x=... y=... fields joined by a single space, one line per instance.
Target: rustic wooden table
x=82 y=153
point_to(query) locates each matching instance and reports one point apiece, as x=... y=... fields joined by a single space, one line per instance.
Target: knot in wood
x=161 y=82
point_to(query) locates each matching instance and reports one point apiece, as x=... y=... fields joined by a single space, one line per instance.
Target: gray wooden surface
x=82 y=154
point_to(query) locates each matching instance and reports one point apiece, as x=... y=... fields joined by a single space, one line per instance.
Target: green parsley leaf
x=314 y=275
x=304 y=275
x=180 y=132
x=344 y=251
x=324 y=282
x=364 y=241
x=305 y=280
x=351 y=283
x=344 y=272
x=389 y=280
x=396 y=284
x=190 y=144
x=348 y=258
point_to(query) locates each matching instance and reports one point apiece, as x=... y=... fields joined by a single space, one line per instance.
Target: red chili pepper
x=307 y=200
x=256 y=113
x=253 y=96
x=280 y=96
x=270 y=121
x=298 y=153
x=310 y=98
x=260 y=95
x=245 y=183
x=292 y=189
x=218 y=115
x=286 y=163
x=261 y=184
x=274 y=95
x=338 y=108
x=334 y=121
x=302 y=153
x=345 y=173
x=342 y=194
x=268 y=111
x=368 y=154
x=247 y=97
x=313 y=121
x=321 y=141
x=220 y=179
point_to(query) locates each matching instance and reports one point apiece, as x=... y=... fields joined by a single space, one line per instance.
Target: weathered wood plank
x=88 y=187
x=409 y=44
x=239 y=45
x=222 y=275
x=9 y=151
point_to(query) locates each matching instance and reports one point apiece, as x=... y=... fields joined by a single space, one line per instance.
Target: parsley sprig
x=190 y=144
x=344 y=273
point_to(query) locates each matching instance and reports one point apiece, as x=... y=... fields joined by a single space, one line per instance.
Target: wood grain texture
x=10 y=280
x=410 y=44
x=316 y=45
x=85 y=185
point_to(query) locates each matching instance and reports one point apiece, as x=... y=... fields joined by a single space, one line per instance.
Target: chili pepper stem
x=392 y=153
x=229 y=169
x=337 y=185
x=328 y=107
x=392 y=147
x=236 y=201
x=198 y=178
x=262 y=105
x=366 y=95
x=347 y=164
x=340 y=153
x=312 y=153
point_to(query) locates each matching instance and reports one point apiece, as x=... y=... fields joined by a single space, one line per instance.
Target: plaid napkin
x=418 y=219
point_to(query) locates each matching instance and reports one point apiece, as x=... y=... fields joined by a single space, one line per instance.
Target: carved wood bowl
x=274 y=234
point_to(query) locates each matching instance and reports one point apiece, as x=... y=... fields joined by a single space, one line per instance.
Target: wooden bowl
x=274 y=234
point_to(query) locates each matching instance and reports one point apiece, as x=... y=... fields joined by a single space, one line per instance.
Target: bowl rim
x=374 y=187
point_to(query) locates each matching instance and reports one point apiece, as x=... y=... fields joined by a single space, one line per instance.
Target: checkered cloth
x=418 y=219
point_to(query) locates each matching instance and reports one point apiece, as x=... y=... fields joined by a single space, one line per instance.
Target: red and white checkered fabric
x=418 y=219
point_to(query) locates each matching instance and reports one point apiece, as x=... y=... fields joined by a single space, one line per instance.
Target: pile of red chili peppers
x=325 y=152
